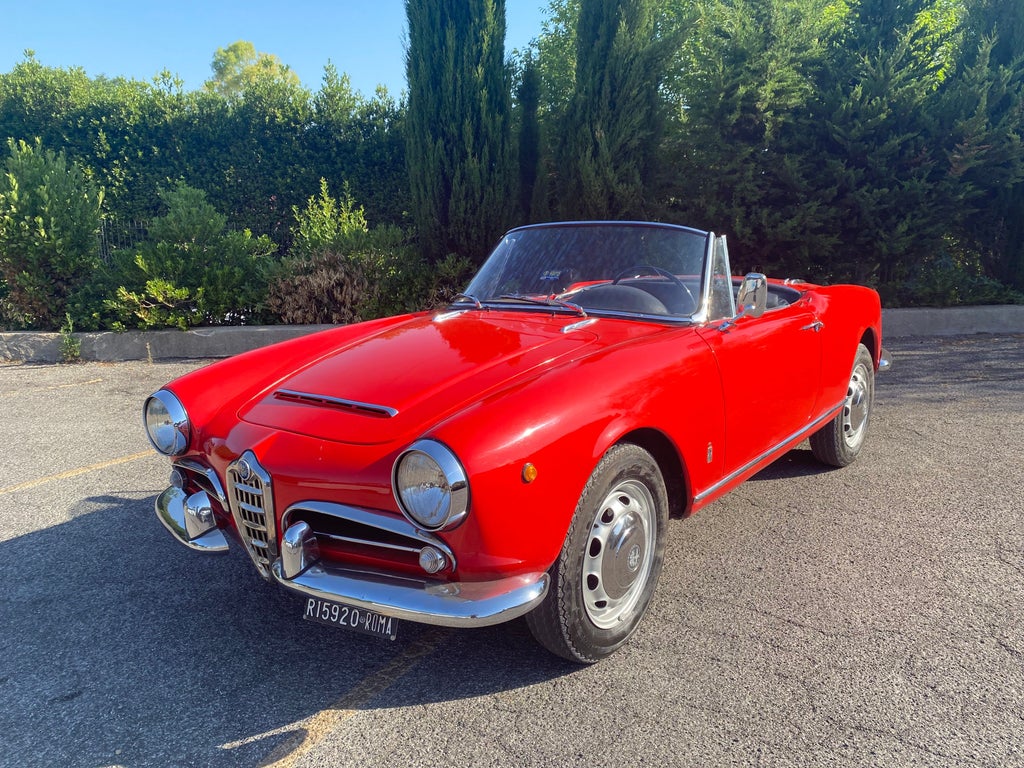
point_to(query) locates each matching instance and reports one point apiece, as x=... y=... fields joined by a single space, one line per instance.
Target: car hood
x=399 y=381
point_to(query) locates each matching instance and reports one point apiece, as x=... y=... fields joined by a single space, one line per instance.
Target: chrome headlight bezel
x=440 y=498
x=166 y=422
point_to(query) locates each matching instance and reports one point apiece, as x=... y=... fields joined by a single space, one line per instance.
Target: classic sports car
x=521 y=451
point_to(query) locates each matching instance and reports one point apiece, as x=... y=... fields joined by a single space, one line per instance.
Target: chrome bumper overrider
x=299 y=569
x=190 y=520
x=884 y=360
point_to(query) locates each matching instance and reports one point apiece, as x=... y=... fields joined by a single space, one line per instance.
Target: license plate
x=347 y=617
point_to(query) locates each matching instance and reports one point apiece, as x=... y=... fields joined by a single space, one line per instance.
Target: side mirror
x=753 y=296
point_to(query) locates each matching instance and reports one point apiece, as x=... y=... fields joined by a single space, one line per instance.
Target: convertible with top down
x=521 y=451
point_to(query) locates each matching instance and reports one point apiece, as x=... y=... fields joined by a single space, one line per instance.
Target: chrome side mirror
x=753 y=296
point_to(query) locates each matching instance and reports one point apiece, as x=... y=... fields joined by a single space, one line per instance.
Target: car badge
x=633 y=559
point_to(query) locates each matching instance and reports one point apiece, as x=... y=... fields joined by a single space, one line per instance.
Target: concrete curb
x=31 y=347
x=107 y=346
x=952 y=321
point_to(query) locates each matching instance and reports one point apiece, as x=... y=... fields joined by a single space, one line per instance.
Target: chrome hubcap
x=856 y=407
x=619 y=555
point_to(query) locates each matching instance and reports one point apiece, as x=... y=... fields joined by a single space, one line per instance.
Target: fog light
x=432 y=560
x=178 y=479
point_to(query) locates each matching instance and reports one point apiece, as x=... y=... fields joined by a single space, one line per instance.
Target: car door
x=770 y=368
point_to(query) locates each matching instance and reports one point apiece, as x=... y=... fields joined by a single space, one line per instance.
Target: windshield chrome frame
x=704 y=305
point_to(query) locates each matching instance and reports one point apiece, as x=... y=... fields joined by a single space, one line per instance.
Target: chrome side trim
x=795 y=437
x=581 y=324
x=185 y=521
x=395 y=526
x=446 y=604
x=326 y=401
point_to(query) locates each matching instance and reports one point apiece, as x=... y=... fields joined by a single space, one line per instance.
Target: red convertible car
x=521 y=451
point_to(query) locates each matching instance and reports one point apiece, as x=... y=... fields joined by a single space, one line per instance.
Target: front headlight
x=166 y=423
x=431 y=486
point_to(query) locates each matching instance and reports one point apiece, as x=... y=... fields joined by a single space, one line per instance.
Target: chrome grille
x=252 y=505
x=342 y=527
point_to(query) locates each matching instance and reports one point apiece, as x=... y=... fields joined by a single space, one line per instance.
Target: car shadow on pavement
x=798 y=462
x=120 y=647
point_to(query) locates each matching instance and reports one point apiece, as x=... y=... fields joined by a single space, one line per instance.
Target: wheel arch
x=870 y=340
x=670 y=464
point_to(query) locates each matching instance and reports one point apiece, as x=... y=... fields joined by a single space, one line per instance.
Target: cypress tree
x=528 y=98
x=613 y=121
x=458 y=132
x=995 y=41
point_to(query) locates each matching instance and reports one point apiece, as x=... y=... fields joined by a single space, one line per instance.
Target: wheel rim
x=857 y=406
x=620 y=554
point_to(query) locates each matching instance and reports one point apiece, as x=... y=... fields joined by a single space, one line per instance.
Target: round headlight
x=430 y=485
x=166 y=423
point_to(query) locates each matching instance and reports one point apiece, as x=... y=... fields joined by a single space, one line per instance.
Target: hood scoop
x=335 y=403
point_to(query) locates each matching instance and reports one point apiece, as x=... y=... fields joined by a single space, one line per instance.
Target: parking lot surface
x=856 y=617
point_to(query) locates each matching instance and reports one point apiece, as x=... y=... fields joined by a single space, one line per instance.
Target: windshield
x=608 y=267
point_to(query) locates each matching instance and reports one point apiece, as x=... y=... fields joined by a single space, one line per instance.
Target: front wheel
x=839 y=442
x=609 y=565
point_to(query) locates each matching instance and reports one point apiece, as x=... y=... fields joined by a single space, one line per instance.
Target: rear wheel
x=606 y=574
x=839 y=442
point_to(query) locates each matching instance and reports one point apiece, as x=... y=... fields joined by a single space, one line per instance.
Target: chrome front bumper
x=299 y=568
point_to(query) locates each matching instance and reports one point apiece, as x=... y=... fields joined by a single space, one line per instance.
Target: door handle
x=816 y=326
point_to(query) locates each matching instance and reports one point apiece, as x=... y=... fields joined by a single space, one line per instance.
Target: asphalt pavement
x=868 y=616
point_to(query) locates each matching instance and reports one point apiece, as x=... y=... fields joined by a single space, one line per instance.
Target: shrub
x=326 y=224
x=953 y=277
x=322 y=287
x=70 y=345
x=49 y=218
x=340 y=271
x=190 y=271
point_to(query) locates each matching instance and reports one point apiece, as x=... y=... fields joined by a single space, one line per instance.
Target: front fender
x=563 y=422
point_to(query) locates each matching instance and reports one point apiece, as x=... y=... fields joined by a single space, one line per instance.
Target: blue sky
x=138 y=39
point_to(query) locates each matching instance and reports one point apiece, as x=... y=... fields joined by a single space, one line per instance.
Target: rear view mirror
x=753 y=296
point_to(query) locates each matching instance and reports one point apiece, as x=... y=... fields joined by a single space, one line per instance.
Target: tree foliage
x=341 y=270
x=257 y=154
x=611 y=130
x=994 y=61
x=529 y=141
x=459 y=147
x=872 y=140
x=191 y=270
x=49 y=217
x=240 y=66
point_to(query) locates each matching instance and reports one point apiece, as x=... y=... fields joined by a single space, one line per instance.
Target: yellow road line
x=74 y=472
x=28 y=390
x=319 y=726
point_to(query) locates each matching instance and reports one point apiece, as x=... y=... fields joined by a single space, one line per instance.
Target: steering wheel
x=635 y=270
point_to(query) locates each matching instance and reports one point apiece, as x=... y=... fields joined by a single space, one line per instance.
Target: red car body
x=529 y=399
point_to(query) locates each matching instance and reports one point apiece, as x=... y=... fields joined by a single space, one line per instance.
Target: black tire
x=606 y=573
x=840 y=441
